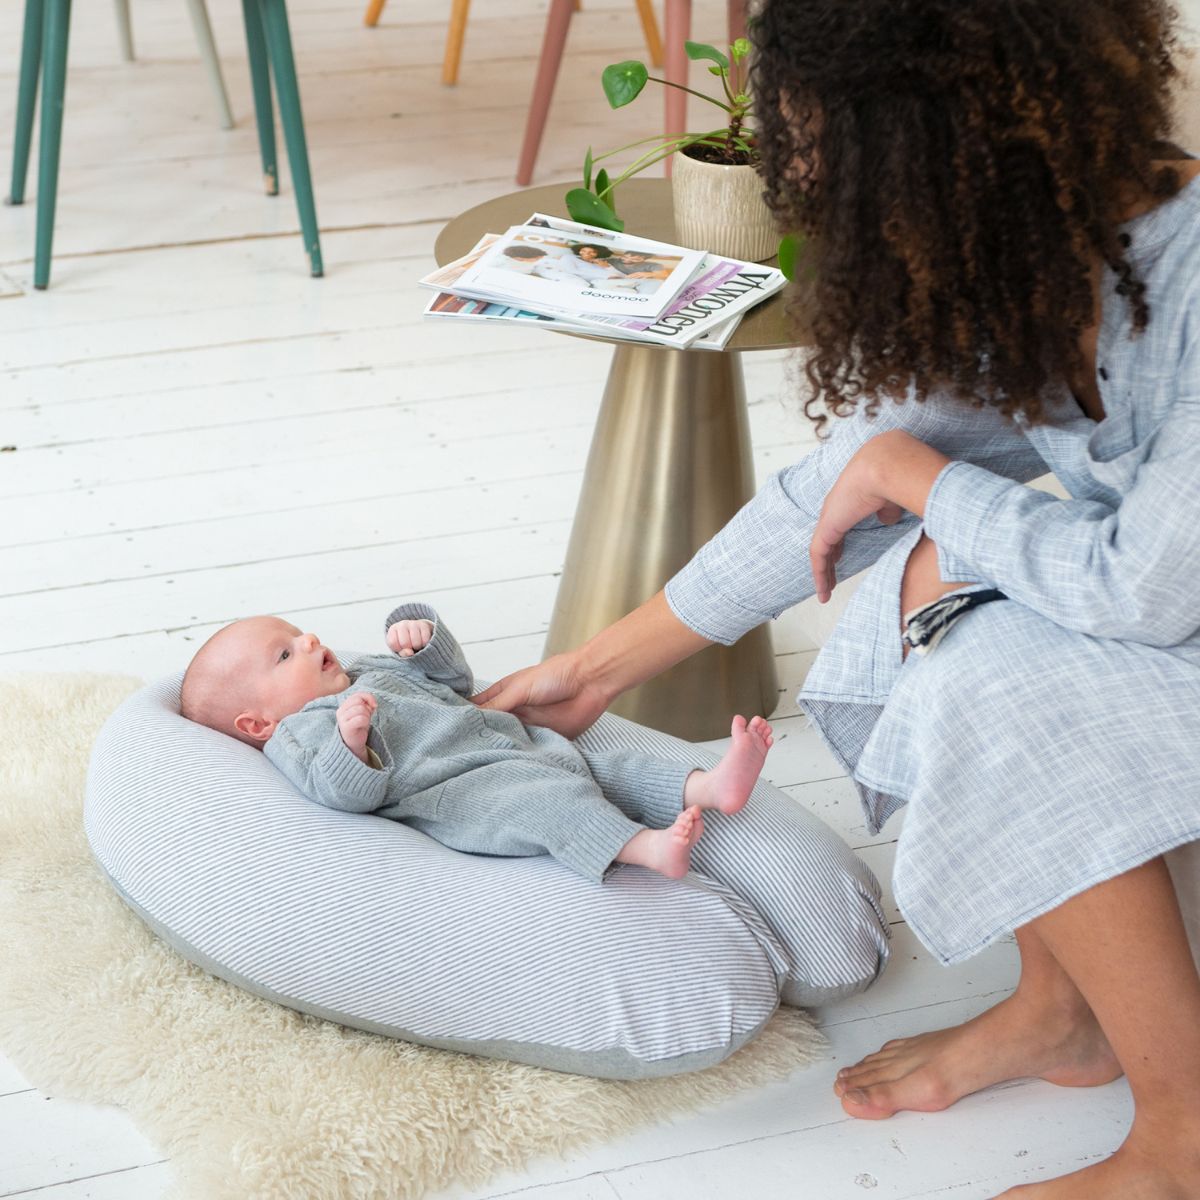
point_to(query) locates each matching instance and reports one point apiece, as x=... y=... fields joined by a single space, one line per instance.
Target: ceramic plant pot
x=721 y=209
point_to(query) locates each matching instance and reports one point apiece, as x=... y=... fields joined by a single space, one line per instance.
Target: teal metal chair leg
x=287 y=91
x=31 y=61
x=125 y=30
x=260 y=83
x=54 y=85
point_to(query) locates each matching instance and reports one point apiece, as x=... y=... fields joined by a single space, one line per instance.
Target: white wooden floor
x=198 y=431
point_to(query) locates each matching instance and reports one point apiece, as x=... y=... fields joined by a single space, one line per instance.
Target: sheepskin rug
x=250 y=1100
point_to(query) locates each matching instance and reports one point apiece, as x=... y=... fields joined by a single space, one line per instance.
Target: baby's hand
x=354 y=722
x=407 y=637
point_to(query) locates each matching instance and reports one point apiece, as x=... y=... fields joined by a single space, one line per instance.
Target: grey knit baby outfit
x=473 y=779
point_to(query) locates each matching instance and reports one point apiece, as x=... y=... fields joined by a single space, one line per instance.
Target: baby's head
x=250 y=675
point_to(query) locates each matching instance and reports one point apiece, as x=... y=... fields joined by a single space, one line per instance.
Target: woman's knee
x=922 y=583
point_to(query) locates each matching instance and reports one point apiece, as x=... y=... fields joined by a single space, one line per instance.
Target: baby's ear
x=256 y=727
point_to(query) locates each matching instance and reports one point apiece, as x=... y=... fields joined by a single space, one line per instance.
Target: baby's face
x=283 y=668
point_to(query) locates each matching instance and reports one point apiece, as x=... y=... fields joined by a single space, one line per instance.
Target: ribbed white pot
x=721 y=209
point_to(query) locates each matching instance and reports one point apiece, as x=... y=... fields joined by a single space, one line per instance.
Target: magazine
x=463 y=308
x=703 y=315
x=551 y=270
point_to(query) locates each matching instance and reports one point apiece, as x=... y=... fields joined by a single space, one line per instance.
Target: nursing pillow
x=369 y=923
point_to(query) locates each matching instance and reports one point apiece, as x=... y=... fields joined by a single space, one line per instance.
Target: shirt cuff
x=957 y=518
x=704 y=610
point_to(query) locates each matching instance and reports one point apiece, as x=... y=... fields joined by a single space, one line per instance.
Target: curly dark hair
x=960 y=166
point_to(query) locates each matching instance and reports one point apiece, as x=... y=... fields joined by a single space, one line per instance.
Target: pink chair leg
x=557 y=21
x=737 y=20
x=677 y=29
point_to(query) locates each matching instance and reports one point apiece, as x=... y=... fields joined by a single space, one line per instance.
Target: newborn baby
x=396 y=735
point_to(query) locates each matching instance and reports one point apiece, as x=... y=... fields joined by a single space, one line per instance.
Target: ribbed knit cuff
x=662 y=790
x=349 y=777
x=597 y=835
x=442 y=654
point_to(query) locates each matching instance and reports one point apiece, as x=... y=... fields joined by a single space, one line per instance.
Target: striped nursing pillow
x=370 y=923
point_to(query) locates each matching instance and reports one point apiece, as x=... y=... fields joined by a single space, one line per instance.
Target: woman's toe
x=869 y=1103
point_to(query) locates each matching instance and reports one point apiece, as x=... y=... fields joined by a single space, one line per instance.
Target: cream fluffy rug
x=252 y=1101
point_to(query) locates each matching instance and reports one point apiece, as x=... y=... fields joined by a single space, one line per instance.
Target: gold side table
x=670 y=464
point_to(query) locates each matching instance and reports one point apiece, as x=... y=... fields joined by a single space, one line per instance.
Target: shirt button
x=1103 y=373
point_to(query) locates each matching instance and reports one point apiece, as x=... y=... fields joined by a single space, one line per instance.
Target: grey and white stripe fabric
x=370 y=923
x=1049 y=741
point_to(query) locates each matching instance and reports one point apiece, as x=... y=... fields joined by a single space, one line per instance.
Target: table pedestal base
x=670 y=463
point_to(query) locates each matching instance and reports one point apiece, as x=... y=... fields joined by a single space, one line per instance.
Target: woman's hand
x=552 y=693
x=892 y=472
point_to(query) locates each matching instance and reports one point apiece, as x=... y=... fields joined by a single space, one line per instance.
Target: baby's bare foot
x=728 y=785
x=1010 y=1041
x=667 y=851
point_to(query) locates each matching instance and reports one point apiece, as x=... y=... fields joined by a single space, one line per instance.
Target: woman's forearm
x=639 y=646
x=905 y=469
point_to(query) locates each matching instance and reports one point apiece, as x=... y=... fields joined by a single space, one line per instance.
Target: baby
x=396 y=735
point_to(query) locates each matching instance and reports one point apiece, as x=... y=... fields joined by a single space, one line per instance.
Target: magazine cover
x=539 y=267
x=721 y=289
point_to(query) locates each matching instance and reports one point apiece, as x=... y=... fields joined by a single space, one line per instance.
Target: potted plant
x=715 y=185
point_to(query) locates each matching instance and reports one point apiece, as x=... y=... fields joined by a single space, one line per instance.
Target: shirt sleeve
x=1127 y=572
x=308 y=749
x=441 y=659
x=758 y=565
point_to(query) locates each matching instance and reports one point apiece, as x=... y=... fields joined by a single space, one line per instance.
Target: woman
x=1008 y=276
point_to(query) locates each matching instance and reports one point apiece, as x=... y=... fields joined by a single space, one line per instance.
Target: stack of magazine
x=573 y=277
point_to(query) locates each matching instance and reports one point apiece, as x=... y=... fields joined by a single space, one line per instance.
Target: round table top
x=645 y=207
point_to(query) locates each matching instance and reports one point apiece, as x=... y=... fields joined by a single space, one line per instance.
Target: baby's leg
x=667 y=851
x=728 y=785
x=523 y=808
x=647 y=790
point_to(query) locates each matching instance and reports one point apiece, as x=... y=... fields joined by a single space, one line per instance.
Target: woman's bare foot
x=728 y=785
x=1015 y=1039
x=1159 y=1161
x=667 y=851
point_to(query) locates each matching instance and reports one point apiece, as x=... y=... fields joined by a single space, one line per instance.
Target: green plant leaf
x=623 y=82
x=585 y=208
x=715 y=71
x=740 y=49
x=701 y=50
x=789 y=253
x=587 y=169
x=602 y=187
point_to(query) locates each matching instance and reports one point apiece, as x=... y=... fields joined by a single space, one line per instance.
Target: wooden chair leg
x=125 y=30
x=371 y=17
x=650 y=31
x=558 y=20
x=198 y=11
x=737 y=20
x=454 y=41
x=31 y=65
x=287 y=92
x=260 y=85
x=678 y=29
x=54 y=86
